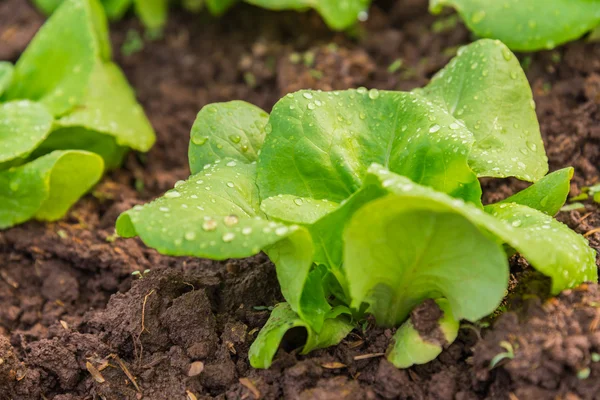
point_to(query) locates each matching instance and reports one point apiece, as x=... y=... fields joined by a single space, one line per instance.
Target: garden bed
x=57 y=316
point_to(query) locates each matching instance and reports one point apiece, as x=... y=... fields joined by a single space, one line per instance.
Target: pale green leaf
x=338 y=14
x=526 y=25
x=218 y=7
x=47 y=187
x=121 y=117
x=485 y=88
x=153 y=13
x=61 y=84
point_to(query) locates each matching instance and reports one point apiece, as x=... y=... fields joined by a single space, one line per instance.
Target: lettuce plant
x=526 y=25
x=368 y=201
x=339 y=15
x=66 y=113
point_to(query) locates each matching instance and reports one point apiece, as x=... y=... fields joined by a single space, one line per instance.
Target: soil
x=75 y=324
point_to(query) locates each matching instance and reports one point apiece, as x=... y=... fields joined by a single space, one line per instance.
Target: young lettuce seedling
x=66 y=113
x=526 y=25
x=338 y=15
x=368 y=201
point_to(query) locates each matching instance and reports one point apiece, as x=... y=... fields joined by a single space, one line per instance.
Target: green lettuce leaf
x=23 y=125
x=319 y=145
x=485 y=88
x=153 y=13
x=60 y=85
x=547 y=195
x=337 y=14
x=121 y=117
x=409 y=348
x=6 y=74
x=216 y=213
x=218 y=7
x=534 y=24
x=282 y=319
x=235 y=129
x=45 y=188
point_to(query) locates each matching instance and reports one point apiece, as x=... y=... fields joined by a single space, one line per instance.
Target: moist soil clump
x=75 y=324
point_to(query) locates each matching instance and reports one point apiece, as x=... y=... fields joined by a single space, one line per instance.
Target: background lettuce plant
x=338 y=14
x=526 y=25
x=368 y=201
x=66 y=113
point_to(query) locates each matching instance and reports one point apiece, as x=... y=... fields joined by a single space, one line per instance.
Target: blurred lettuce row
x=338 y=14
x=369 y=202
x=526 y=25
x=67 y=113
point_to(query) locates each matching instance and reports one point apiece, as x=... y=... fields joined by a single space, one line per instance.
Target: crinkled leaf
x=548 y=245
x=319 y=145
x=400 y=250
x=409 y=348
x=486 y=88
x=235 y=129
x=153 y=13
x=548 y=194
x=61 y=84
x=338 y=14
x=47 y=187
x=282 y=319
x=23 y=125
x=6 y=74
x=534 y=24
x=121 y=117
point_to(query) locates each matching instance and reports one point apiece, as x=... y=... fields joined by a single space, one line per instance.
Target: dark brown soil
x=75 y=324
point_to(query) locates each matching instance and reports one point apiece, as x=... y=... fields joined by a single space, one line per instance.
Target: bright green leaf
x=296 y=210
x=409 y=348
x=548 y=245
x=485 y=88
x=337 y=14
x=282 y=319
x=45 y=188
x=319 y=145
x=82 y=139
x=534 y=24
x=153 y=13
x=548 y=194
x=115 y=9
x=443 y=254
x=60 y=85
x=121 y=117
x=6 y=74
x=47 y=6
x=23 y=125
x=218 y=7
x=235 y=129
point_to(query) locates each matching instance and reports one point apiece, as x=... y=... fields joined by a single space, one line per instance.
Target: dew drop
x=209 y=225
x=298 y=201
x=199 y=140
x=516 y=223
x=532 y=146
x=179 y=183
x=434 y=128
x=172 y=194
x=454 y=126
x=230 y=184
x=362 y=115
x=190 y=235
x=231 y=164
x=373 y=94
x=361 y=90
x=235 y=138
x=231 y=220
x=307 y=95
x=310 y=106
x=228 y=237
x=282 y=230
